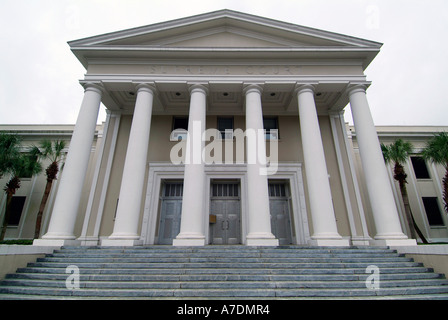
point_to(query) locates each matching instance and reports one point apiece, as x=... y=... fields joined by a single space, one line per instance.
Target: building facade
x=228 y=128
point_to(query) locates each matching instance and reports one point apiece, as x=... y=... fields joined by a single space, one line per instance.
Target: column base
x=329 y=242
x=56 y=242
x=393 y=242
x=121 y=242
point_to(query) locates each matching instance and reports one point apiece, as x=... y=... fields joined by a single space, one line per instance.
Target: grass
x=18 y=241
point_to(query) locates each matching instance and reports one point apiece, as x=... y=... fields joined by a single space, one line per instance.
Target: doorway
x=280 y=214
x=170 y=212
x=225 y=213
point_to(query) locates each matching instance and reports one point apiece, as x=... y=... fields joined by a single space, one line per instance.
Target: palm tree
x=17 y=164
x=53 y=152
x=9 y=151
x=436 y=150
x=398 y=153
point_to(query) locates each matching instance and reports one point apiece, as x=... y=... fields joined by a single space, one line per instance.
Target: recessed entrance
x=170 y=212
x=225 y=213
x=280 y=214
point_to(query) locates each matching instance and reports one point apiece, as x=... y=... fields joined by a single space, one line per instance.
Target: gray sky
x=39 y=74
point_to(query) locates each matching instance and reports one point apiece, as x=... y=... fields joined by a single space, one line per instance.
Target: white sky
x=39 y=74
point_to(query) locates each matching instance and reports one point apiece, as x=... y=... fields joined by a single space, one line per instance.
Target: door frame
x=163 y=197
x=159 y=171
x=287 y=199
x=230 y=181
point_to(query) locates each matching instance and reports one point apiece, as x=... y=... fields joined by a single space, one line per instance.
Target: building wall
x=33 y=188
x=416 y=188
x=102 y=185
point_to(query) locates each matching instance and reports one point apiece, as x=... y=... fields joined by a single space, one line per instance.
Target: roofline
x=225 y=13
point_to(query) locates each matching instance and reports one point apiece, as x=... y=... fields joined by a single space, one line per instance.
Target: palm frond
x=436 y=149
x=397 y=152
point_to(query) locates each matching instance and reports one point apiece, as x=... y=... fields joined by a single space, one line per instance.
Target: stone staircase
x=224 y=272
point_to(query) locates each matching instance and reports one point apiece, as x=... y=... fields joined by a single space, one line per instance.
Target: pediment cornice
x=205 y=35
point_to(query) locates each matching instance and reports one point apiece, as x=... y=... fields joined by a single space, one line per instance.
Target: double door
x=170 y=212
x=280 y=214
x=225 y=213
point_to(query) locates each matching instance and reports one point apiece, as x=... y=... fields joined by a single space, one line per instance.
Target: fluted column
x=320 y=199
x=193 y=202
x=131 y=191
x=65 y=210
x=259 y=226
x=379 y=189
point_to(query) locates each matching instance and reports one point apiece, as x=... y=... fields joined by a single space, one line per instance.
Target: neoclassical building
x=181 y=161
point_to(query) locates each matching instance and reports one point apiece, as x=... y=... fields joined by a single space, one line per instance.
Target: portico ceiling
x=225 y=99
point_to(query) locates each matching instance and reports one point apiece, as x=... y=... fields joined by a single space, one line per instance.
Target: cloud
x=39 y=78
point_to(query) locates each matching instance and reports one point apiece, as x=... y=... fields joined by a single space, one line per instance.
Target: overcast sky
x=39 y=74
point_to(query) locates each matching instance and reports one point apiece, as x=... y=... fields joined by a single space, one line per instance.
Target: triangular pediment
x=224 y=28
x=220 y=32
x=234 y=38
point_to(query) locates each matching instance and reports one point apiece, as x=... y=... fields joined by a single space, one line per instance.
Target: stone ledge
x=12 y=249
x=436 y=249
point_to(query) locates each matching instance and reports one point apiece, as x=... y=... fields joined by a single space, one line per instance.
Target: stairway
x=224 y=272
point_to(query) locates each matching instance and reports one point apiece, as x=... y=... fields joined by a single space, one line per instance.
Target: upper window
x=225 y=127
x=433 y=211
x=180 y=123
x=270 y=125
x=180 y=128
x=420 y=169
x=17 y=203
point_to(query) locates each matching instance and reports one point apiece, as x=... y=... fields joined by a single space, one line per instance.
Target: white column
x=65 y=210
x=259 y=226
x=383 y=205
x=131 y=191
x=321 y=204
x=193 y=202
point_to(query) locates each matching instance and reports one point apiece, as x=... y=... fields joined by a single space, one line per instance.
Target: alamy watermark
x=72 y=282
x=373 y=280
x=250 y=144
x=372 y=17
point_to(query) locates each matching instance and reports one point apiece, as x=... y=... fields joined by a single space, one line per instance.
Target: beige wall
x=289 y=151
x=416 y=188
x=33 y=188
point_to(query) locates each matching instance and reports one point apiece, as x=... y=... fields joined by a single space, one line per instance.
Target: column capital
x=198 y=87
x=302 y=87
x=148 y=87
x=252 y=87
x=95 y=87
x=356 y=87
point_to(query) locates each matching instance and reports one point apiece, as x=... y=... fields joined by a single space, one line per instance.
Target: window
x=174 y=189
x=433 y=211
x=17 y=204
x=180 y=128
x=277 y=190
x=420 y=169
x=180 y=123
x=225 y=190
x=271 y=128
x=225 y=124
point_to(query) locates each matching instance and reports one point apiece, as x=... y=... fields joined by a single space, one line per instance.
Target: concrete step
x=224 y=277
x=367 y=260
x=230 y=272
x=222 y=292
